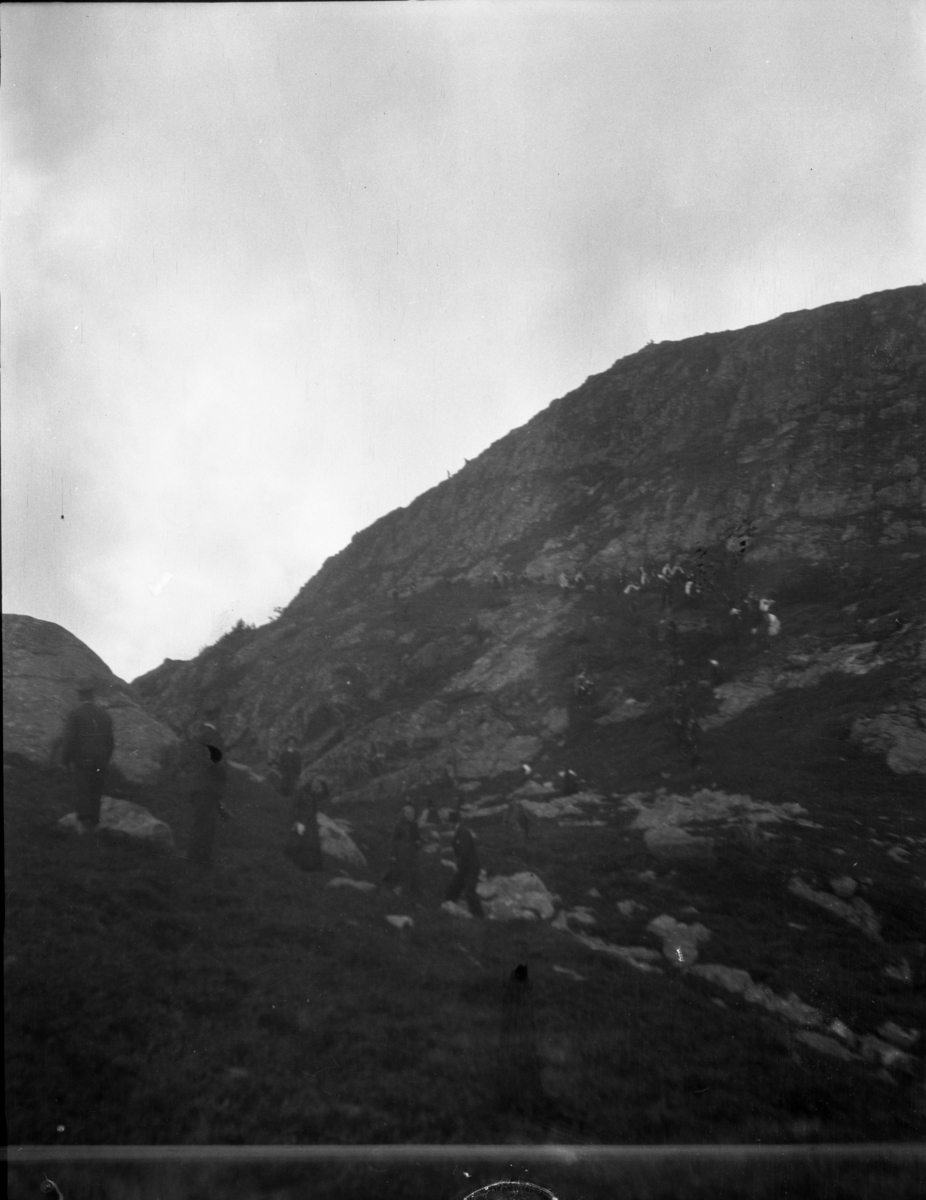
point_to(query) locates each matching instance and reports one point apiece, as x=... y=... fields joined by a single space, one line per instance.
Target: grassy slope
x=148 y=1002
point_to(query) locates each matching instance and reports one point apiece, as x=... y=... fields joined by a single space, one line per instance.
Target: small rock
x=400 y=921
x=859 y=912
x=673 y=845
x=362 y=885
x=824 y=1044
x=679 y=942
x=875 y=1050
x=570 y=973
x=124 y=819
x=456 y=910
x=906 y=1039
x=845 y=887
x=627 y=907
x=899 y=971
x=594 y=893
x=842 y=1031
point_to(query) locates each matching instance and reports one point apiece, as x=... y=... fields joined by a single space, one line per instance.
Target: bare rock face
x=42 y=665
x=782 y=461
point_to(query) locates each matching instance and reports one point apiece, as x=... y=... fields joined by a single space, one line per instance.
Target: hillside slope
x=781 y=461
x=729 y=945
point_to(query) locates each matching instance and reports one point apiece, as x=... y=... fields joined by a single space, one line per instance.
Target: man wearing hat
x=87 y=746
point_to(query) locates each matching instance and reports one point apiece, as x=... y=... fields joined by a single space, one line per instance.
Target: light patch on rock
x=559 y=806
x=361 y=885
x=456 y=910
x=680 y=942
x=741 y=982
x=627 y=907
x=673 y=845
x=802 y=671
x=568 y=972
x=641 y=958
x=556 y=720
x=906 y=1039
x=337 y=842
x=519 y=897
x=857 y=912
x=125 y=819
x=663 y=817
x=874 y=1050
x=898 y=735
x=824 y=1045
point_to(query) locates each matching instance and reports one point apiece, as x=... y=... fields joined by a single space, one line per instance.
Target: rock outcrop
x=42 y=665
x=121 y=818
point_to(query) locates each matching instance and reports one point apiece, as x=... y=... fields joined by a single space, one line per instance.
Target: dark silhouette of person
x=467 y=874
x=86 y=748
x=403 y=871
x=290 y=767
x=518 y=1065
x=210 y=774
x=304 y=846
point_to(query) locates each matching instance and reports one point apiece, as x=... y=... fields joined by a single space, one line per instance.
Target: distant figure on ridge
x=402 y=873
x=467 y=876
x=86 y=748
x=210 y=774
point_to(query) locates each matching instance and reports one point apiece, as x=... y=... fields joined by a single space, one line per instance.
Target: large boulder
x=42 y=665
x=124 y=819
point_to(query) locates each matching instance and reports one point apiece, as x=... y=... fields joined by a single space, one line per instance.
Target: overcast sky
x=271 y=271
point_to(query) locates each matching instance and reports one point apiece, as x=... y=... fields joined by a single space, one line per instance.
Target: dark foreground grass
x=148 y=1002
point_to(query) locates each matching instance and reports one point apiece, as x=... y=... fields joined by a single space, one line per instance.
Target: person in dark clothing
x=86 y=748
x=403 y=869
x=290 y=767
x=467 y=876
x=519 y=1086
x=210 y=773
x=304 y=846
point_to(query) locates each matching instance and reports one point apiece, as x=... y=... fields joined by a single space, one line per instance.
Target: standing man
x=210 y=773
x=87 y=746
x=403 y=871
x=467 y=876
x=290 y=767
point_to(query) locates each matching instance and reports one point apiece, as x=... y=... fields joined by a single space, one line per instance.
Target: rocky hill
x=698 y=583
x=42 y=666
x=782 y=463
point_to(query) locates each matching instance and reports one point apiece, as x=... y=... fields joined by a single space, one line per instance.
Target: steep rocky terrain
x=783 y=460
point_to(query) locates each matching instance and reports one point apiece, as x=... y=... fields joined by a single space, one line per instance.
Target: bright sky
x=270 y=271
